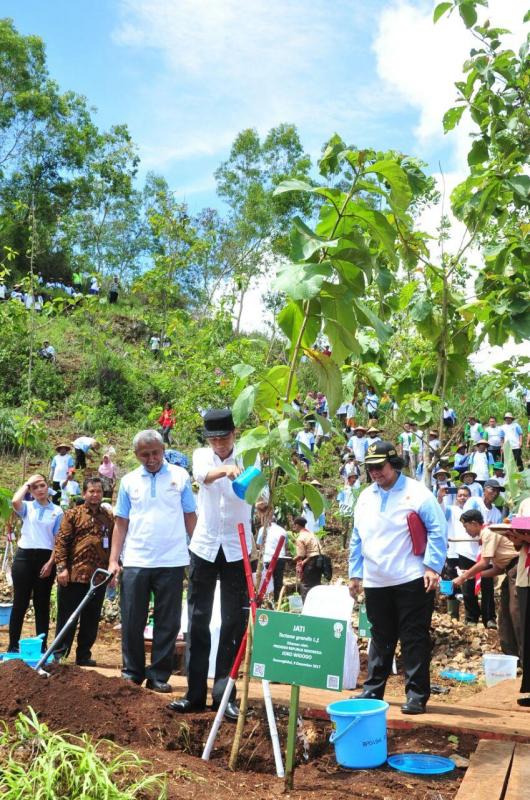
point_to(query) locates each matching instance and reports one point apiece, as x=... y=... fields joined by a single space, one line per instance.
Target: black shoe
x=366 y=694
x=524 y=702
x=86 y=662
x=413 y=706
x=130 y=679
x=185 y=706
x=231 y=710
x=158 y=686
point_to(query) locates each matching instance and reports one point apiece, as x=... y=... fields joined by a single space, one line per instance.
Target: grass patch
x=45 y=765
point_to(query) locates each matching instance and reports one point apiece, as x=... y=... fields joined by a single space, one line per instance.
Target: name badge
x=106 y=542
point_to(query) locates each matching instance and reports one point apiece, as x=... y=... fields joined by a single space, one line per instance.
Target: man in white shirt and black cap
x=216 y=555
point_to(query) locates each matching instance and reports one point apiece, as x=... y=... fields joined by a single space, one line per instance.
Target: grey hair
x=147 y=437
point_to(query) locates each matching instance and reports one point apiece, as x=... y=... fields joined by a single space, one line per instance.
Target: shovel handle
x=105 y=575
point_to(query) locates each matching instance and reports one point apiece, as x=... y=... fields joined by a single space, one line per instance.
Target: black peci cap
x=218 y=422
x=380 y=452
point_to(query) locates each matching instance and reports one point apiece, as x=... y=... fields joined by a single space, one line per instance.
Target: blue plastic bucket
x=360 y=732
x=447 y=587
x=5 y=613
x=243 y=481
x=31 y=648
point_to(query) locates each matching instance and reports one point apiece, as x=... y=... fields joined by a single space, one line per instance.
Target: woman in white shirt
x=33 y=569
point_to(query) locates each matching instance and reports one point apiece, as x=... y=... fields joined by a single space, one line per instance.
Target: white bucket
x=498 y=667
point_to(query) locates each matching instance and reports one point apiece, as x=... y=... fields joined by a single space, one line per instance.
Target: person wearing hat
x=481 y=461
x=154 y=516
x=513 y=433
x=60 y=465
x=215 y=554
x=373 y=435
x=444 y=489
x=358 y=444
x=498 y=556
x=498 y=472
x=469 y=479
x=494 y=435
x=399 y=586
x=461 y=459
x=434 y=443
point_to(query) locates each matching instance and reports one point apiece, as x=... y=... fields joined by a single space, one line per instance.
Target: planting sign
x=300 y=650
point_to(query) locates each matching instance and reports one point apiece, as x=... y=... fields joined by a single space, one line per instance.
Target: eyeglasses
x=375 y=467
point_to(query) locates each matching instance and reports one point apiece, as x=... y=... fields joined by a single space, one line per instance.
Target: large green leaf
x=287 y=467
x=314 y=498
x=243 y=405
x=255 y=488
x=243 y=370
x=452 y=117
x=468 y=13
x=254 y=439
x=377 y=224
x=294 y=492
x=290 y=320
x=382 y=330
x=335 y=195
x=396 y=178
x=302 y=281
x=270 y=392
x=440 y=10
x=328 y=376
x=305 y=242
x=521 y=186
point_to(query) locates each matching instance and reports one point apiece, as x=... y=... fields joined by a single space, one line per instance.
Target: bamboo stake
x=244 y=698
x=291 y=738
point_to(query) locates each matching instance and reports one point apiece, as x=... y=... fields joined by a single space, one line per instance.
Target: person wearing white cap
x=513 y=433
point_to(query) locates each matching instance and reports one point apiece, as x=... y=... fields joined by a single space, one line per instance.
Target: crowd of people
x=406 y=534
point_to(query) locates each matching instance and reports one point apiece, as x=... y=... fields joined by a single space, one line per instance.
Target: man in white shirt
x=358 y=443
x=81 y=447
x=216 y=555
x=60 y=466
x=306 y=438
x=494 y=435
x=155 y=513
x=269 y=541
x=513 y=433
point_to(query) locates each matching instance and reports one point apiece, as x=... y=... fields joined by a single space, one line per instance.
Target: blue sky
x=187 y=75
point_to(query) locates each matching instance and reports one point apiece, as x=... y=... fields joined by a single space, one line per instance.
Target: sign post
x=302 y=651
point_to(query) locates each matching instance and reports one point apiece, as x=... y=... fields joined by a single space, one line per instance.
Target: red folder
x=418 y=533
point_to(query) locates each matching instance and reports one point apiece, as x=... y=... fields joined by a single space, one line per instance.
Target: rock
x=460 y=761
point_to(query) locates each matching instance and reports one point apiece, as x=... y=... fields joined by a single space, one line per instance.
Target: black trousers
x=166 y=434
x=137 y=584
x=523 y=595
x=56 y=486
x=68 y=598
x=311 y=576
x=400 y=613
x=27 y=584
x=496 y=453
x=203 y=576
x=474 y=609
x=278 y=577
x=80 y=459
x=517 y=454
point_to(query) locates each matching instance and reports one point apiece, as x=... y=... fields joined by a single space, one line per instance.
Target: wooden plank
x=487 y=772
x=519 y=781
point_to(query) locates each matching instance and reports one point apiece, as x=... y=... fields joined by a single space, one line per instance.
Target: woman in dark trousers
x=33 y=569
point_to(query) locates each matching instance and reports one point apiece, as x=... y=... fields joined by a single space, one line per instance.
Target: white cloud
x=231 y=64
x=421 y=61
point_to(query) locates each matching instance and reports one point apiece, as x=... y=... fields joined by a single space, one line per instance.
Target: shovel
x=72 y=619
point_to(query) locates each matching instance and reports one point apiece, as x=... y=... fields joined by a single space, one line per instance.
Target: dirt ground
x=84 y=701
